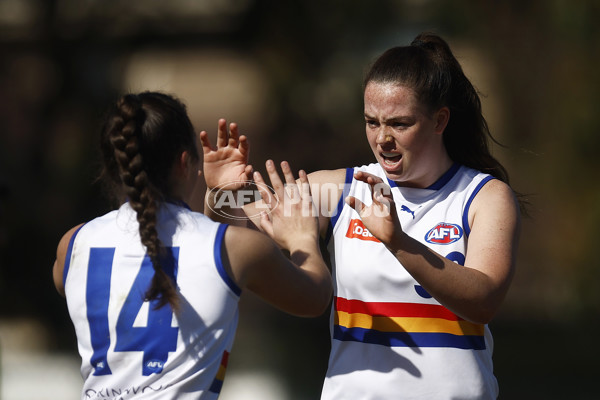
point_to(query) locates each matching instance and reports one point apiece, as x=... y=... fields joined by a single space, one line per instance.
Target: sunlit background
x=290 y=73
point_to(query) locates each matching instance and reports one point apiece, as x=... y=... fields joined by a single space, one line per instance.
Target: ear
x=183 y=164
x=442 y=116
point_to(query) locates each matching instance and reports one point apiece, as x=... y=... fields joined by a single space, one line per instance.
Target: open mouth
x=391 y=159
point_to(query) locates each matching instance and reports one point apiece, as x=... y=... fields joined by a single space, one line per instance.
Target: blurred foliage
x=61 y=63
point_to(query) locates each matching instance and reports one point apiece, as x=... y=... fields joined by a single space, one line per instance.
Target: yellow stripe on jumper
x=408 y=324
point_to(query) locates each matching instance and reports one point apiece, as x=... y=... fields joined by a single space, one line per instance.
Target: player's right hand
x=227 y=163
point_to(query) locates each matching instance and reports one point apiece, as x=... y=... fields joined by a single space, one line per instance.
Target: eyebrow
x=401 y=118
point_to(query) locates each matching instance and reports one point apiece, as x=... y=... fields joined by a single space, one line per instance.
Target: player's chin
x=393 y=174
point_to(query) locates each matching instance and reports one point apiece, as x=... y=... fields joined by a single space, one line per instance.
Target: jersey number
x=455 y=256
x=155 y=340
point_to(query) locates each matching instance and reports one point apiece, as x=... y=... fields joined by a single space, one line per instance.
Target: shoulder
x=327 y=189
x=61 y=255
x=63 y=244
x=335 y=176
x=181 y=222
x=244 y=243
x=495 y=199
x=496 y=190
x=341 y=175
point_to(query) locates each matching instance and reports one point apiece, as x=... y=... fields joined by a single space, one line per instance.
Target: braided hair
x=142 y=137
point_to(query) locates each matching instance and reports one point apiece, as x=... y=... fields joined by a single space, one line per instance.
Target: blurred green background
x=290 y=74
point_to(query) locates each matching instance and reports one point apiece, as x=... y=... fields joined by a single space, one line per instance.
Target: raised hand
x=292 y=219
x=227 y=163
x=380 y=218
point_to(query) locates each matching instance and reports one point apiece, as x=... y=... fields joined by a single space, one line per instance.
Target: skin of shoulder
x=255 y=262
x=59 y=263
x=495 y=195
x=327 y=186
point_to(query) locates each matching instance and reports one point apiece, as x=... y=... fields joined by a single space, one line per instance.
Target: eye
x=399 y=125
x=371 y=123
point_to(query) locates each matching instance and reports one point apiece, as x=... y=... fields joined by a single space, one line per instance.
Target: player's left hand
x=380 y=217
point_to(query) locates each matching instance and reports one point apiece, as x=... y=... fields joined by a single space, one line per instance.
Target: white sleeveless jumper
x=390 y=338
x=128 y=348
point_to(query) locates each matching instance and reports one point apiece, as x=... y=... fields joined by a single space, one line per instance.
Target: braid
x=143 y=196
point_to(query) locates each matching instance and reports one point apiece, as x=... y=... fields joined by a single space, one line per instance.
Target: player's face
x=405 y=139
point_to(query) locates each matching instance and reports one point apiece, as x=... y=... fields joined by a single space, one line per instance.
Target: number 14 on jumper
x=155 y=340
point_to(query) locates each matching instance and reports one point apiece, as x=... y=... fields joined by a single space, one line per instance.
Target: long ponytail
x=429 y=68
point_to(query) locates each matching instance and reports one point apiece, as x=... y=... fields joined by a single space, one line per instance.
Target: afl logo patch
x=444 y=233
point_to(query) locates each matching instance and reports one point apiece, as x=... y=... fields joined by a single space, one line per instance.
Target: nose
x=383 y=137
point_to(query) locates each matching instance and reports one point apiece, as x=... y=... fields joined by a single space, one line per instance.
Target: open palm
x=227 y=163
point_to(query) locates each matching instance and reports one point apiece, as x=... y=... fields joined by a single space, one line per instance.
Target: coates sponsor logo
x=358 y=231
x=444 y=233
x=227 y=199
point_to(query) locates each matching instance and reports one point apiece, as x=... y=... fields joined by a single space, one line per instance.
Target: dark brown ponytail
x=429 y=68
x=142 y=137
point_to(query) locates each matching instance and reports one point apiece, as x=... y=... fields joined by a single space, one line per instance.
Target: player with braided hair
x=146 y=180
x=152 y=288
x=123 y=133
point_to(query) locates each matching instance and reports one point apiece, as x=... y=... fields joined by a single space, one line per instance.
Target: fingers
x=266 y=225
x=304 y=184
x=222 y=134
x=233 y=134
x=244 y=146
x=248 y=171
x=388 y=201
x=355 y=203
x=231 y=137
x=266 y=195
x=205 y=142
x=380 y=191
x=308 y=205
x=287 y=173
x=290 y=190
x=227 y=137
x=276 y=182
x=368 y=178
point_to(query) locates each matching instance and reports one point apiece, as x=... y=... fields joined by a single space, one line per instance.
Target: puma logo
x=408 y=210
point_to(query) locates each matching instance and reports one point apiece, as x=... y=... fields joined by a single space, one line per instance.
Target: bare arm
x=327 y=187
x=300 y=285
x=473 y=291
x=59 y=263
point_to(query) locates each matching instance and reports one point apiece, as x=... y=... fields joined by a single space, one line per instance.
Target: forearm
x=468 y=292
x=221 y=206
x=307 y=256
